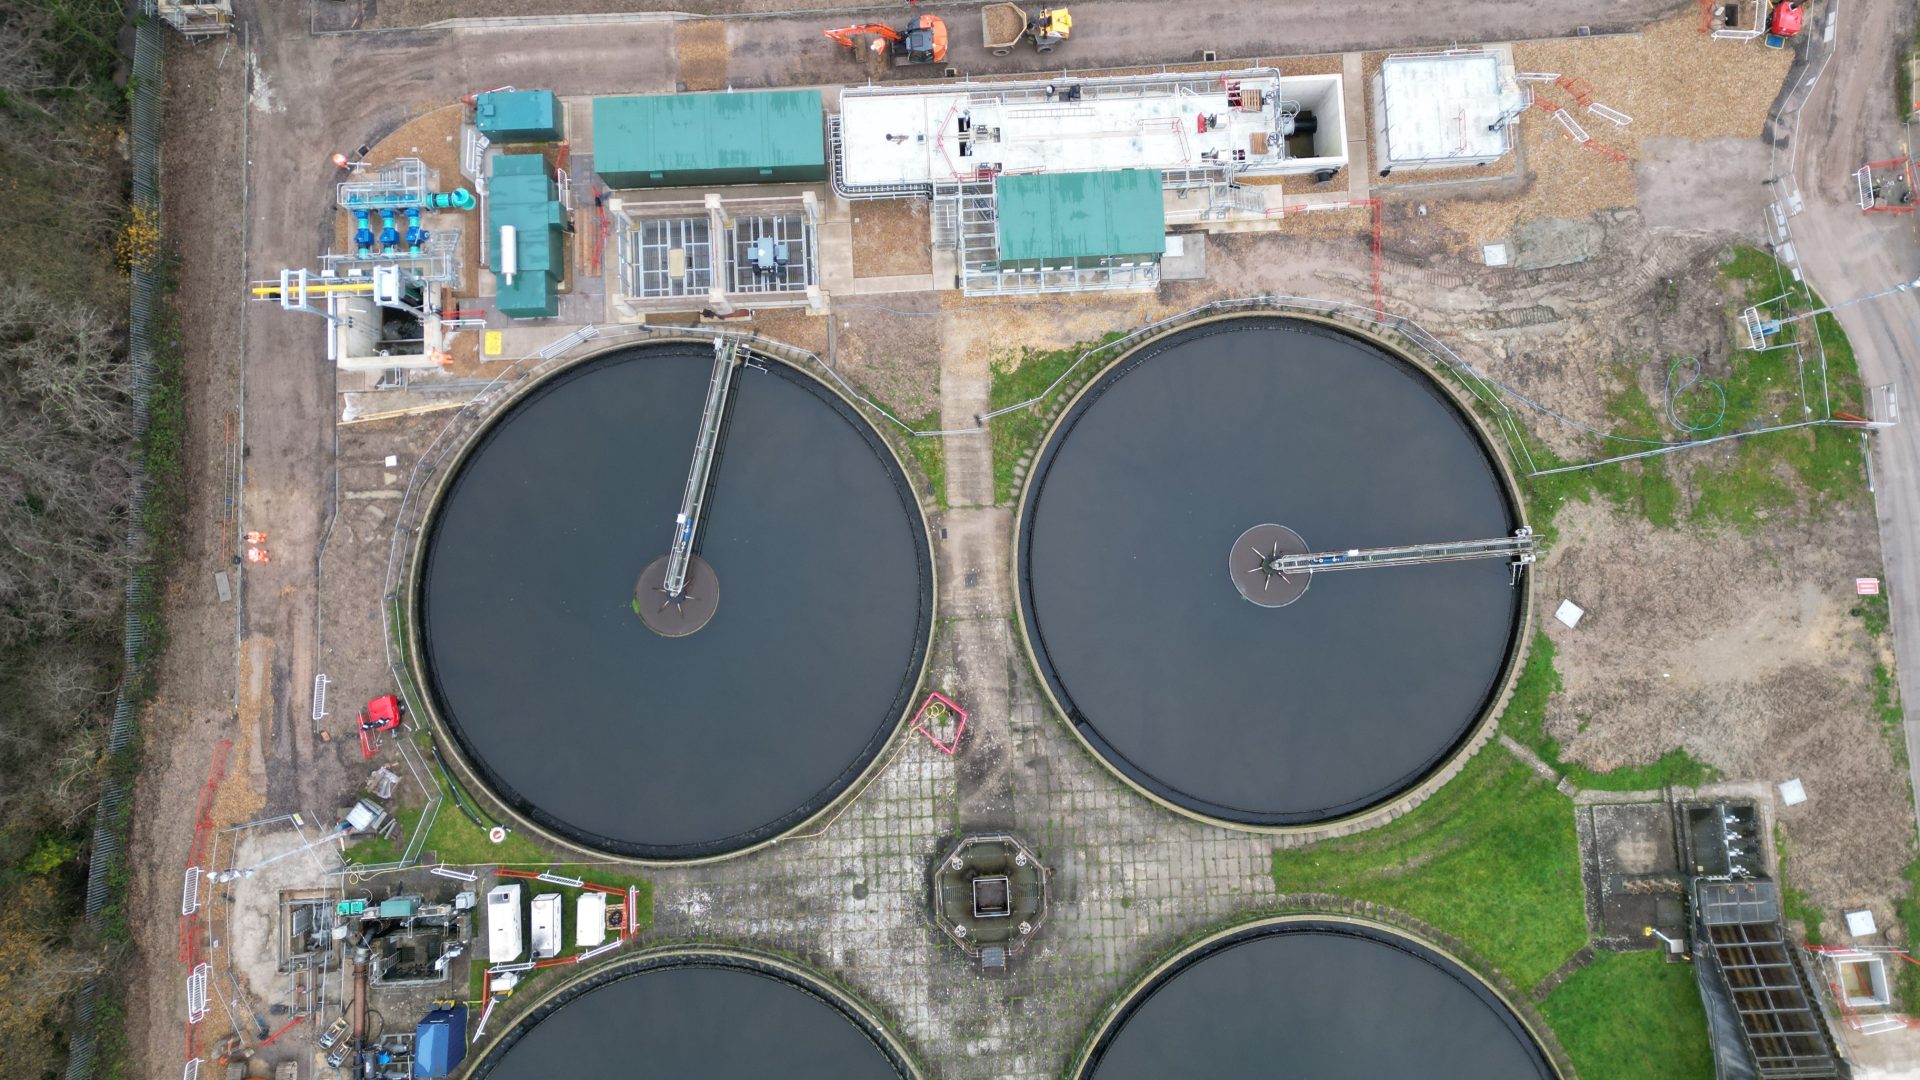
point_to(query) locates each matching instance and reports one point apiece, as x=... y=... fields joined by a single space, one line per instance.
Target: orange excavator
x=922 y=41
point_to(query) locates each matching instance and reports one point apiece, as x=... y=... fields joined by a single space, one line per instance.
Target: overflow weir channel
x=608 y=732
x=1212 y=684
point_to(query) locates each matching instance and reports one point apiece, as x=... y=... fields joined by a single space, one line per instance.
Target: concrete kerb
x=1339 y=910
x=732 y=956
x=408 y=668
x=1483 y=730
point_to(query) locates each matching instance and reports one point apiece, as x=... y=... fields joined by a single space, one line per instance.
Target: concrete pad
x=1703 y=185
x=1556 y=242
x=833 y=255
x=1185 y=258
x=896 y=283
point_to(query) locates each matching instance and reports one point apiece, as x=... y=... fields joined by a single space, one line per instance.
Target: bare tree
x=66 y=425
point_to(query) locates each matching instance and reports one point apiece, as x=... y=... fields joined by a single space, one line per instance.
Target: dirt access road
x=1846 y=120
x=1106 y=32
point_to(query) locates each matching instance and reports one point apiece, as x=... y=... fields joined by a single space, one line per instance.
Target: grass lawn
x=452 y=837
x=931 y=455
x=1632 y=1016
x=1785 y=471
x=1491 y=859
x=1016 y=378
x=1525 y=721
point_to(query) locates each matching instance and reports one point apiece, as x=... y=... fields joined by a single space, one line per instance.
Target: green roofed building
x=1080 y=220
x=518 y=116
x=699 y=140
x=521 y=194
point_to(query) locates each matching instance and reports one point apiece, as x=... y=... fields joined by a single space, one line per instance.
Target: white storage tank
x=546 y=926
x=590 y=920
x=504 y=937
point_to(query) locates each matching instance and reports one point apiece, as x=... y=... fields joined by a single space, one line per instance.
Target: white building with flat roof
x=1433 y=110
x=1195 y=128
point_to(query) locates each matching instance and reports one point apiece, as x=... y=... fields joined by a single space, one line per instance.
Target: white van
x=504 y=937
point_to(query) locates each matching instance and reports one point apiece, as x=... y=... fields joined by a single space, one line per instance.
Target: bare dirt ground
x=1740 y=649
x=892 y=236
x=1674 y=82
x=196 y=704
x=1357 y=25
x=701 y=48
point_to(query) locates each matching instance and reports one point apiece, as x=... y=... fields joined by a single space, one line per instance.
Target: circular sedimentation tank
x=608 y=735
x=723 y=1014
x=1295 y=707
x=1326 y=997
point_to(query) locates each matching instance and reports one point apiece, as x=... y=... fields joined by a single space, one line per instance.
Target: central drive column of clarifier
x=678 y=592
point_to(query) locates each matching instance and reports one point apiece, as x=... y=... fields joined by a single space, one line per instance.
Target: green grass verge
x=452 y=837
x=1907 y=910
x=1525 y=720
x=930 y=454
x=1793 y=903
x=1491 y=858
x=1019 y=377
x=1632 y=1015
x=1903 y=104
x=1782 y=472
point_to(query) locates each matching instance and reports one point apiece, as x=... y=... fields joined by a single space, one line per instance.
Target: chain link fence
x=143 y=136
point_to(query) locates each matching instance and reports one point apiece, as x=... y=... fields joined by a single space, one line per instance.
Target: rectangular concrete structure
x=699 y=140
x=1236 y=123
x=1441 y=109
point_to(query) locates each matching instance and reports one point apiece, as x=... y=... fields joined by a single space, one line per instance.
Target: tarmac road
x=1847 y=120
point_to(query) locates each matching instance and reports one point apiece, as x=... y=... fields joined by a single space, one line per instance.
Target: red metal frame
x=1906 y=166
x=960 y=726
x=189 y=944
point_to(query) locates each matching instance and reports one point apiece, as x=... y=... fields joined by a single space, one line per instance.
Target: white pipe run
x=509 y=253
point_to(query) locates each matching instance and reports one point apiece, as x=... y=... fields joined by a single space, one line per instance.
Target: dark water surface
x=1332 y=1004
x=709 y=1023
x=660 y=747
x=1338 y=702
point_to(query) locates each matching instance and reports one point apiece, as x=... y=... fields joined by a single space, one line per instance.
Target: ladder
x=686 y=524
x=1518 y=547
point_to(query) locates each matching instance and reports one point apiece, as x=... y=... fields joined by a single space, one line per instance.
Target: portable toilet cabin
x=546 y=926
x=590 y=920
x=440 y=1042
x=504 y=937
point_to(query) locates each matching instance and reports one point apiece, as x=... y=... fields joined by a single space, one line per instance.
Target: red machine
x=381 y=714
x=1784 y=23
x=922 y=41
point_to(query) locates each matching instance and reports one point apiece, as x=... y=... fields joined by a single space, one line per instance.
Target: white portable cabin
x=504 y=937
x=590 y=920
x=546 y=925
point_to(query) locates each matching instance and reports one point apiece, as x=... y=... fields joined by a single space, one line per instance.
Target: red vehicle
x=381 y=714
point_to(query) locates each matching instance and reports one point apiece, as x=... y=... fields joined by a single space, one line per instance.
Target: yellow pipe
x=270 y=291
